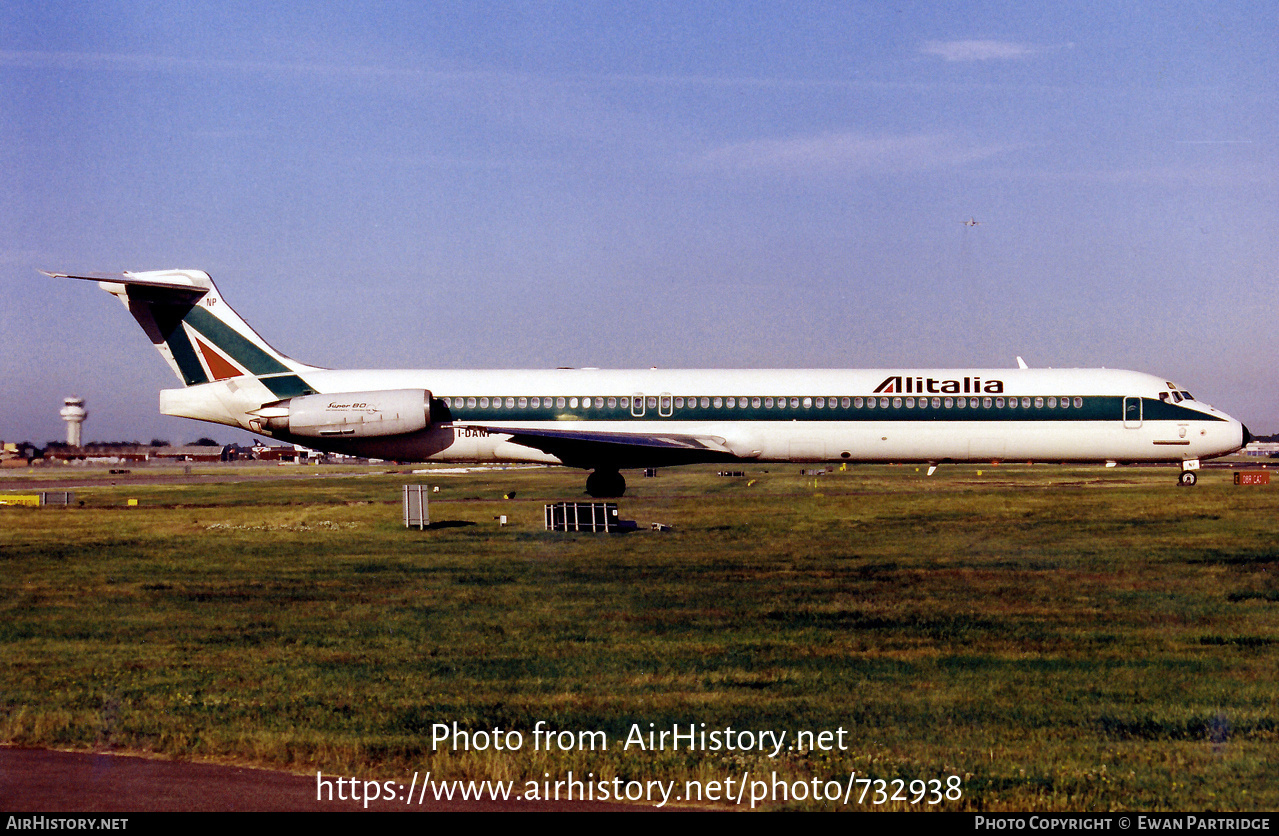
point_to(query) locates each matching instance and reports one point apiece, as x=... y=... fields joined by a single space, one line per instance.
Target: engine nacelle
x=350 y=414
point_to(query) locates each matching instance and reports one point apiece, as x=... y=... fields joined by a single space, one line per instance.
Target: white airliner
x=607 y=420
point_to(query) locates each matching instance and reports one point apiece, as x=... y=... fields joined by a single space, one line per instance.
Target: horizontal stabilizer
x=192 y=282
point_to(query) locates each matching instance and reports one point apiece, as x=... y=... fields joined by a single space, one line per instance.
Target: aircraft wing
x=593 y=448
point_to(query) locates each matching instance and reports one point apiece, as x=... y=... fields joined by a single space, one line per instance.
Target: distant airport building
x=11 y=456
x=99 y=452
x=74 y=413
x=188 y=453
x=278 y=452
x=1261 y=449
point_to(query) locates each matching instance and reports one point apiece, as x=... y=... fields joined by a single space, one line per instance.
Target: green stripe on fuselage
x=1157 y=410
x=287 y=386
x=1093 y=408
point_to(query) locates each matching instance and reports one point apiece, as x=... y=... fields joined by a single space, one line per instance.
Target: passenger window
x=949 y=403
x=883 y=402
x=717 y=402
x=768 y=403
x=523 y=403
x=612 y=403
x=910 y=403
x=1079 y=402
x=844 y=402
x=731 y=403
x=572 y=403
x=808 y=403
x=559 y=403
x=857 y=403
x=897 y=403
x=1052 y=403
x=754 y=403
x=1039 y=403
x=870 y=403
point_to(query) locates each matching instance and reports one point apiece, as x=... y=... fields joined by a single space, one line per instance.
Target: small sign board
x=417 y=512
x=1252 y=477
x=19 y=499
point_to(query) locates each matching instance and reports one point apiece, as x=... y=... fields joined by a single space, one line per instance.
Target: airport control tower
x=74 y=414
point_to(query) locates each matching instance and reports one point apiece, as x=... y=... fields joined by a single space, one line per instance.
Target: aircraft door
x=637 y=405
x=1132 y=413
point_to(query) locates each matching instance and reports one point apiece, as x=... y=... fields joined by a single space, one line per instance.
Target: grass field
x=1060 y=638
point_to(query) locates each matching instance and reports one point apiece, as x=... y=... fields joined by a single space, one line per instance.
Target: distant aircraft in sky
x=971 y=222
x=608 y=420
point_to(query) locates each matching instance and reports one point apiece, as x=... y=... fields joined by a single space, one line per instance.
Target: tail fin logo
x=201 y=339
x=219 y=367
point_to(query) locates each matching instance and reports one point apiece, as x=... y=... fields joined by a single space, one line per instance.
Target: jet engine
x=349 y=414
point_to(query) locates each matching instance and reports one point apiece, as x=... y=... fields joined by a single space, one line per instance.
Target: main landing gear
x=604 y=483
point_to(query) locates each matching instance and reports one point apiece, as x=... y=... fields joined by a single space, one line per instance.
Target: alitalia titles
x=905 y=384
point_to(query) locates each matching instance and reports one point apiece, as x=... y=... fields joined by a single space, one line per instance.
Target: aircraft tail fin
x=192 y=327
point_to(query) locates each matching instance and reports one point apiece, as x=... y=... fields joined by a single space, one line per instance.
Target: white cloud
x=978 y=50
x=849 y=154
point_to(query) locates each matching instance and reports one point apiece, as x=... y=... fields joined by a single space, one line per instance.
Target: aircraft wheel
x=603 y=484
x=1187 y=478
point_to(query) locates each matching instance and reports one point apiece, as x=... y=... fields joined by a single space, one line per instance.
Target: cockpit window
x=1188 y=396
x=1163 y=396
x=1176 y=397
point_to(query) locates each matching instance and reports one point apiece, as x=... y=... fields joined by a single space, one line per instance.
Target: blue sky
x=475 y=185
